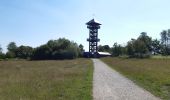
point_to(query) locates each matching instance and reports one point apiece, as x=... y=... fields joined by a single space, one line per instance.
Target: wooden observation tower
x=93 y=40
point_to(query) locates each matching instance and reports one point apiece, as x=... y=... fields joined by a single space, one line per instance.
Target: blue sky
x=34 y=22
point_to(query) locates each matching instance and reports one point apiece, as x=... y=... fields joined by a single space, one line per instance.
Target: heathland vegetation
x=151 y=74
x=46 y=80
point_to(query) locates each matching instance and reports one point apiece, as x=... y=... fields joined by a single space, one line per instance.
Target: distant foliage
x=165 y=41
x=141 y=47
x=57 y=49
x=2 y=55
x=117 y=50
x=81 y=48
x=12 y=48
x=53 y=49
x=156 y=47
x=24 y=52
x=105 y=48
x=0 y=49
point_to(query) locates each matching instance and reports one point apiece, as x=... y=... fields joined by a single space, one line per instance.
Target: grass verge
x=46 y=80
x=151 y=74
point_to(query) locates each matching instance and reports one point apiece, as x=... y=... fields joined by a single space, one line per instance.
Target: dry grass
x=46 y=80
x=152 y=74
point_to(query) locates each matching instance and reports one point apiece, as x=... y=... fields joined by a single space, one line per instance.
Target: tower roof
x=93 y=22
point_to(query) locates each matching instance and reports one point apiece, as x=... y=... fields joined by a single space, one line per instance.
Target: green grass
x=46 y=80
x=151 y=74
x=160 y=57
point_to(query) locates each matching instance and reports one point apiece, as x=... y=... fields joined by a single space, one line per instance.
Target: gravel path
x=110 y=85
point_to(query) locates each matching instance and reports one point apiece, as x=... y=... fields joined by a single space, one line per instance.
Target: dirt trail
x=110 y=85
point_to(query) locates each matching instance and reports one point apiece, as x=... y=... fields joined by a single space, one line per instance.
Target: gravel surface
x=110 y=85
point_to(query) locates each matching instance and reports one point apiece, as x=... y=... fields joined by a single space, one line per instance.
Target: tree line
x=53 y=49
x=142 y=47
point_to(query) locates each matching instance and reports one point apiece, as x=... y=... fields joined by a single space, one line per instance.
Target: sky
x=34 y=22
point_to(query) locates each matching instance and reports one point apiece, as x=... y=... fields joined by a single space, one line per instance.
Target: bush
x=142 y=55
x=2 y=55
x=57 y=49
x=10 y=54
x=24 y=52
x=141 y=47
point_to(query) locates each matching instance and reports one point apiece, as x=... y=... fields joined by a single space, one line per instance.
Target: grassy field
x=160 y=57
x=152 y=74
x=46 y=80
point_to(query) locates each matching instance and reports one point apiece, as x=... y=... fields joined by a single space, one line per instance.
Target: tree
x=12 y=47
x=11 y=50
x=116 y=50
x=168 y=37
x=130 y=48
x=0 y=49
x=101 y=48
x=81 y=49
x=156 y=46
x=2 y=55
x=141 y=47
x=57 y=49
x=147 y=40
x=41 y=53
x=10 y=55
x=165 y=36
x=105 y=48
x=24 y=52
